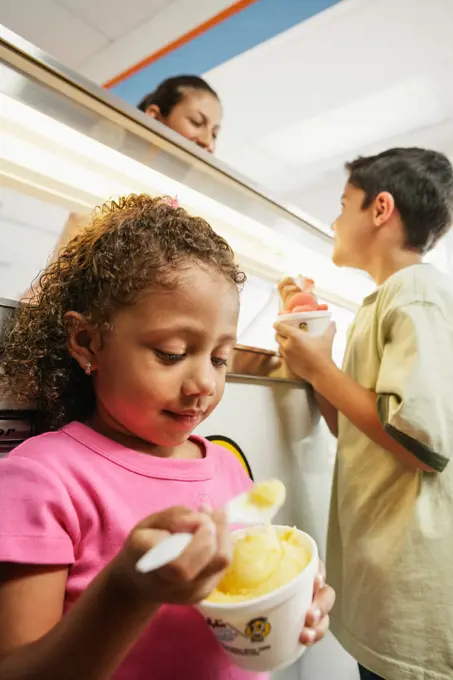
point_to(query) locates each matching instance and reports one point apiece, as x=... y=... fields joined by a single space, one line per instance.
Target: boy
x=390 y=545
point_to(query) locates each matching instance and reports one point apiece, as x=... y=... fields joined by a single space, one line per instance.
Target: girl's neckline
x=195 y=469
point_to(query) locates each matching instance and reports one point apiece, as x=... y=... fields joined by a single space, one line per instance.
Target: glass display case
x=68 y=145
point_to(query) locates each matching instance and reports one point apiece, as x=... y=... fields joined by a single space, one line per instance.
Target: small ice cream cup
x=262 y=634
x=313 y=323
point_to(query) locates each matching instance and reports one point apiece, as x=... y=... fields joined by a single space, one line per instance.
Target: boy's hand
x=317 y=619
x=305 y=355
x=191 y=577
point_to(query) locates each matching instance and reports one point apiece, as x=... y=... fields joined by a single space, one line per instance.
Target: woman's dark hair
x=421 y=183
x=171 y=91
x=131 y=245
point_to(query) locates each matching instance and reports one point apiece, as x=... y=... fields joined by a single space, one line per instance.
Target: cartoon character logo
x=303 y=326
x=258 y=629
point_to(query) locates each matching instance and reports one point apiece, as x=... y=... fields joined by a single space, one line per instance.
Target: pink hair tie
x=172 y=202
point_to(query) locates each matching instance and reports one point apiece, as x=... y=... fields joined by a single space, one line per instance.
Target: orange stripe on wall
x=182 y=40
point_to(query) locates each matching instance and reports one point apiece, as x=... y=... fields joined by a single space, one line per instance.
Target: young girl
x=124 y=349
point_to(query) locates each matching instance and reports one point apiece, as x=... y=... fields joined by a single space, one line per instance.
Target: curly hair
x=131 y=245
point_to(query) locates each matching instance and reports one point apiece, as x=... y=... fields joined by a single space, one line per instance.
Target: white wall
x=29 y=230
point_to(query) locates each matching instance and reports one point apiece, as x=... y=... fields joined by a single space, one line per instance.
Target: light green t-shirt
x=390 y=545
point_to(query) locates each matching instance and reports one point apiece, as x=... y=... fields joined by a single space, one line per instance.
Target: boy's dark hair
x=421 y=183
x=171 y=91
x=132 y=244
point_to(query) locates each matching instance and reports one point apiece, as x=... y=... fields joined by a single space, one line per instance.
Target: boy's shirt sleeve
x=415 y=381
x=38 y=522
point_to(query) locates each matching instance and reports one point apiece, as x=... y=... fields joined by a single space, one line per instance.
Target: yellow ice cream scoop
x=268 y=494
x=257 y=506
x=261 y=563
x=255 y=559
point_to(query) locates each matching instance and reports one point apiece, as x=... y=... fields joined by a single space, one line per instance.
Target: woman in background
x=185 y=104
x=189 y=106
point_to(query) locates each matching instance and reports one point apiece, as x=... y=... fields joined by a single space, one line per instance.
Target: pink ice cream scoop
x=305 y=301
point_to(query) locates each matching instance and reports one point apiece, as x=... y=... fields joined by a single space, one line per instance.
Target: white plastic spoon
x=257 y=506
x=163 y=553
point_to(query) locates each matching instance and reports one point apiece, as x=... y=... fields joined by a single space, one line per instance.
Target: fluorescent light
x=398 y=110
x=36 y=144
x=12 y=82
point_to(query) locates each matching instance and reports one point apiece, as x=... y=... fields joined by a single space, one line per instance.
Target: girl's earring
x=88 y=368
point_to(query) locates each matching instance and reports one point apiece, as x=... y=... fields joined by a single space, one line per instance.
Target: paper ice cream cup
x=262 y=635
x=313 y=323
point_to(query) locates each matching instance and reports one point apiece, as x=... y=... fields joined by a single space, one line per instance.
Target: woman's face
x=196 y=117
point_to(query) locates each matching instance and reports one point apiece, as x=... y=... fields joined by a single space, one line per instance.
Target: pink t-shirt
x=72 y=497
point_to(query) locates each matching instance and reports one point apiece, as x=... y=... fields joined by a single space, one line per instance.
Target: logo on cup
x=222 y=631
x=258 y=629
x=303 y=326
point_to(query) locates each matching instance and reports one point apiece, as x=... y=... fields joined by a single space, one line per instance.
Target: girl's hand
x=317 y=620
x=191 y=577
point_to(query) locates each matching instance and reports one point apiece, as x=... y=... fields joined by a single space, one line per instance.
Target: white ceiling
x=74 y=31
x=360 y=77
x=54 y=28
x=101 y=38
